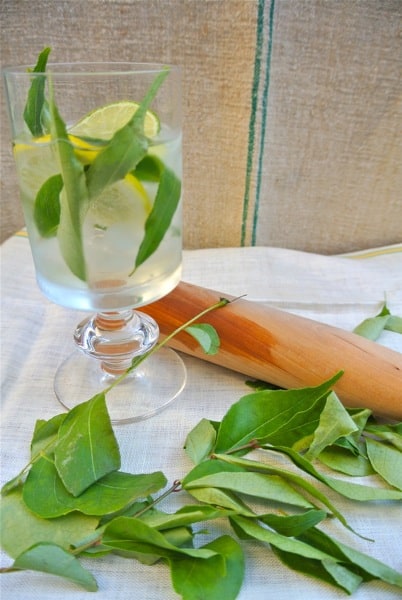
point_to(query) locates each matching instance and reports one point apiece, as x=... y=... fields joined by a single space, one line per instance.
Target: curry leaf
x=21 y=529
x=290 y=476
x=394 y=324
x=325 y=569
x=343 y=461
x=158 y=222
x=264 y=486
x=52 y=559
x=47 y=206
x=272 y=416
x=45 y=434
x=87 y=449
x=364 y=565
x=372 y=327
x=200 y=441
x=36 y=102
x=130 y=535
x=391 y=433
x=293 y=525
x=217 y=578
x=45 y=495
x=206 y=335
x=125 y=150
x=351 y=490
x=73 y=196
x=334 y=423
x=387 y=461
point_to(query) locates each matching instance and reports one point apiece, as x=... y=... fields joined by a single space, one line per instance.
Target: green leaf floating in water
x=165 y=204
x=36 y=103
x=74 y=199
x=47 y=206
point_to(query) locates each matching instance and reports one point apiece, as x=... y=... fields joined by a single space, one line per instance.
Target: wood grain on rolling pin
x=287 y=350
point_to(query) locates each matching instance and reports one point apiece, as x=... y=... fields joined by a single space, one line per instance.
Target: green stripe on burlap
x=257 y=126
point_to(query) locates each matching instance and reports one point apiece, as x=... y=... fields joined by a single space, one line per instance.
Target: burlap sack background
x=292 y=109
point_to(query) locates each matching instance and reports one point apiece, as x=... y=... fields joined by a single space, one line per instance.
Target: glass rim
x=74 y=68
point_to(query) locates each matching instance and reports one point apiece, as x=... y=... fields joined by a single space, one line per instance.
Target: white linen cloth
x=37 y=335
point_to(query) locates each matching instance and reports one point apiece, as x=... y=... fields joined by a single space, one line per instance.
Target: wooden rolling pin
x=287 y=350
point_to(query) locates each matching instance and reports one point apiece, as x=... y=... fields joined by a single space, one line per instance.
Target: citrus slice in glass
x=125 y=201
x=36 y=163
x=102 y=123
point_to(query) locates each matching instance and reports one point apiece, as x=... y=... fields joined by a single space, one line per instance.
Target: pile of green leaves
x=63 y=200
x=73 y=501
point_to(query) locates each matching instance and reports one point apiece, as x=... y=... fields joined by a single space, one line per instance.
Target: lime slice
x=102 y=123
x=122 y=202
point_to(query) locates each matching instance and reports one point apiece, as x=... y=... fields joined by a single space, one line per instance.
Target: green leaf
x=206 y=335
x=36 y=102
x=211 y=579
x=45 y=434
x=294 y=478
x=348 y=489
x=125 y=150
x=264 y=486
x=362 y=564
x=335 y=422
x=21 y=529
x=117 y=159
x=390 y=433
x=45 y=495
x=149 y=169
x=253 y=529
x=87 y=449
x=200 y=441
x=158 y=222
x=327 y=570
x=221 y=498
x=215 y=496
x=274 y=416
x=387 y=461
x=47 y=206
x=52 y=559
x=394 y=324
x=372 y=327
x=293 y=525
x=73 y=197
x=129 y=536
x=185 y=516
x=343 y=461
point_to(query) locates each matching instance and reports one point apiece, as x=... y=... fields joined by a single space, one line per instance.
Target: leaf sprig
x=73 y=501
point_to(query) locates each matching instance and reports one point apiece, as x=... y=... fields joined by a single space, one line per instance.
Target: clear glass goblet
x=97 y=148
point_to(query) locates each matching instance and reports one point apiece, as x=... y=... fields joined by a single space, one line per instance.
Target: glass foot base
x=146 y=391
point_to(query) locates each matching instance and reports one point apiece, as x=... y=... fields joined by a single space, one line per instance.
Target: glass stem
x=115 y=338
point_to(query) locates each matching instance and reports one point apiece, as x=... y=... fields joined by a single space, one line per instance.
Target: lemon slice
x=102 y=123
x=35 y=164
x=122 y=202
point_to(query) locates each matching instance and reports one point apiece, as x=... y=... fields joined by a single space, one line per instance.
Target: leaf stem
x=174 y=488
x=139 y=359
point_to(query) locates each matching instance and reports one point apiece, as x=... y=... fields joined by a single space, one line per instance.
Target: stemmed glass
x=97 y=148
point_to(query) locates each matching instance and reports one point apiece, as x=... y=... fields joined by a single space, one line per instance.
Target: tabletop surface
x=37 y=335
